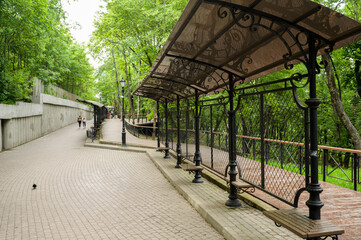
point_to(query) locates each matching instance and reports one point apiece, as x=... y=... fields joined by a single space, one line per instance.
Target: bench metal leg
x=197 y=177
x=166 y=153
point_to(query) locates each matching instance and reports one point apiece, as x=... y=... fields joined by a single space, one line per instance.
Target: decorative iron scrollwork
x=242 y=62
x=186 y=69
x=294 y=40
x=297 y=78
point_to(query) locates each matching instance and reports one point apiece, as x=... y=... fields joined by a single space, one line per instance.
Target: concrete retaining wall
x=24 y=122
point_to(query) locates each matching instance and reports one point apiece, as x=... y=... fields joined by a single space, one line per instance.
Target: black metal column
x=262 y=126
x=166 y=130
x=233 y=200
x=197 y=155
x=158 y=126
x=212 y=136
x=314 y=202
x=95 y=124
x=179 y=147
x=124 y=144
x=307 y=147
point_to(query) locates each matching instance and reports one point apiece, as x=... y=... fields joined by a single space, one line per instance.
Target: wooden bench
x=162 y=149
x=297 y=222
x=191 y=168
x=185 y=156
x=241 y=186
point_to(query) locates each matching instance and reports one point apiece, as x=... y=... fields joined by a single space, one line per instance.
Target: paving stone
x=86 y=193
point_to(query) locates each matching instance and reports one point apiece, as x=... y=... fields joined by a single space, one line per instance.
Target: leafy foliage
x=135 y=30
x=35 y=42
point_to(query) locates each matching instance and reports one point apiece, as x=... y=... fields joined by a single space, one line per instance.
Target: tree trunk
x=358 y=76
x=336 y=102
x=116 y=79
x=128 y=77
x=138 y=108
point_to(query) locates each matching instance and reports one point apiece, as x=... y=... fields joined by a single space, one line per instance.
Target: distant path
x=88 y=193
x=112 y=132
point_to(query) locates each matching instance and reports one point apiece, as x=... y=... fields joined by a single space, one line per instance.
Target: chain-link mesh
x=282 y=123
x=219 y=138
x=204 y=136
x=275 y=114
x=249 y=139
x=172 y=128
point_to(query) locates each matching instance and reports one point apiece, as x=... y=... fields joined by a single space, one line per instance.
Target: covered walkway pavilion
x=220 y=46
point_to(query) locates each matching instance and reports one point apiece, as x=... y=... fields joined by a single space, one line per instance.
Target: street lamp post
x=122 y=83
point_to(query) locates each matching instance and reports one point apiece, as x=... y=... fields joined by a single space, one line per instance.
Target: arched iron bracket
x=220 y=82
x=165 y=90
x=268 y=16
x=297 y=197
x=187 y=84
x=238 y=168
x=204 y=63
x=249 y=18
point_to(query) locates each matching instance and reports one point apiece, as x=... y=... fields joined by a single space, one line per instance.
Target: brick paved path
x=342 y=206
x=112 y=129
x=86 y=193
x=245 y=223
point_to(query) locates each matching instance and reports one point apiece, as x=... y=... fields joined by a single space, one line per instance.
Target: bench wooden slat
x=291 y=224
x=163 y=148
x=297 y=222
x=238 y=184
x=191 y=167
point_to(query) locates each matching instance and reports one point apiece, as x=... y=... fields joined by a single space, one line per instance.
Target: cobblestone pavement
x=244 y=223
x=89 y=193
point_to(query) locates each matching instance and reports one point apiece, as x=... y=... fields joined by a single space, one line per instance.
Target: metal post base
x=233 y=203
x=166 y=154
x=124 y=144
x=197 y=178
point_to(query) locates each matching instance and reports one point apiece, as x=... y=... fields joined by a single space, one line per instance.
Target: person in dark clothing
x=79 y=121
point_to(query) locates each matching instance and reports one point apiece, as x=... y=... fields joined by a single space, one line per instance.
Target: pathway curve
x=89 y=193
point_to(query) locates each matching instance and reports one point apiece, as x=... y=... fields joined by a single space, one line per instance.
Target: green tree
x=136 y=30
x=35 y=42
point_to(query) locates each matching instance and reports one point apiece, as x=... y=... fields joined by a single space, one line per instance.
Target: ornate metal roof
x=96 y=104
x=248 y=39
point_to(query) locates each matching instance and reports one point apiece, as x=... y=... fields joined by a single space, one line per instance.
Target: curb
x=226 y=232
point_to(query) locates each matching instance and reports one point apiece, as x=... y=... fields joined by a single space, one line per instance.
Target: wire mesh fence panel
x=162 y=125
x=219 y=138
x=249 y=139
x=191 y=138
x=182 y=128
x=172 y=128
x=283 y=131
x=270 y=134
x=204 y=135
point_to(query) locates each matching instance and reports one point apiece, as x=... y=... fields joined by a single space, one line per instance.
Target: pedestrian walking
x=79 y=121
x=84 y=121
